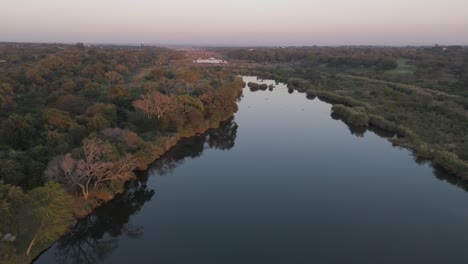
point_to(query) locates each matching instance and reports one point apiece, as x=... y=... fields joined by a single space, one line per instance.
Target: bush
x=354 y=116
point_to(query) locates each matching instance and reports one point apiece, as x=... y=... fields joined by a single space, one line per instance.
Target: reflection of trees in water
x=95 y=237
x=443 y=175
x=438 y=171
x=381 y=132
x=222 y=138
x=357 y=131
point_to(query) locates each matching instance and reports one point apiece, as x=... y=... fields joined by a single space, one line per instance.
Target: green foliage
x=452 y=163
x=11 y=199
x=97 y=123
x=189 y=101
x=462 y=150
x=421 y=98
x=11 y=171
x=255 y=86
x=299 y=84
x=55 y=97
x=353 y=116
x=56 y=119
x=17 y=131
x=48 y=209
x=402 y=68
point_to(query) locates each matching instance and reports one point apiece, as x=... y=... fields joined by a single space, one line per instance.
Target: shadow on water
x=438 y=171
x=442 y=175
x=222 y=138
x=357 y=131
x=94 y=238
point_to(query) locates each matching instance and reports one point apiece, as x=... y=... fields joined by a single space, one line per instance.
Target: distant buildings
x=210 y=61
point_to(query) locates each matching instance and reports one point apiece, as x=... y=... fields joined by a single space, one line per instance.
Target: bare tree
x=155 y=104
x=92 y=171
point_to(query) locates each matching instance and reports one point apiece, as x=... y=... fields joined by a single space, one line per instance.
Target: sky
x=237 y=22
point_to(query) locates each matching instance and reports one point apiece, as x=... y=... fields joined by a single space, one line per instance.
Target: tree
x=17 y=131
x=12 y=171
x=122 y=69
x=113 y=77
x=11 y=197
x=56 y=119
x=189 y=77
x=116 y=93
x=34 y=76
x=71 y=103
x=94 y=170
x=6 y=95
x=98 y=122
x=155 y=104
x=108 y=111
x=49 y=208
x=187 y=102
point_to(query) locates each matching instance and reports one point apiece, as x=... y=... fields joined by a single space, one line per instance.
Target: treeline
x=443 y=68
x=77 y=121
x=333 y=57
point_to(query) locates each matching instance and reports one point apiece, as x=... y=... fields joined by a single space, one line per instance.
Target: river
x=282 y=182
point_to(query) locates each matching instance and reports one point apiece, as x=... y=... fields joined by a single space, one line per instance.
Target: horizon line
x=220 y=45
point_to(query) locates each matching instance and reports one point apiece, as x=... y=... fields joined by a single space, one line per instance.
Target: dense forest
x=77 y=121
x=418 y=93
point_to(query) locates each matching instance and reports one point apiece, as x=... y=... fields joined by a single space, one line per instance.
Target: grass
x=403 y=68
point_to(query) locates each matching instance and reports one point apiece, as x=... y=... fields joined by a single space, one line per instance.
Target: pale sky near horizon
x=241 y=22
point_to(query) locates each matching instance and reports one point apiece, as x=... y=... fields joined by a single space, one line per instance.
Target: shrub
x=354 y=116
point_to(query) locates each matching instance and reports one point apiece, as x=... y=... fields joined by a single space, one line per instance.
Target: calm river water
x=282 y=182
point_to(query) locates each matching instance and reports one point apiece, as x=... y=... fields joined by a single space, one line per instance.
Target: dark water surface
x=283 y=182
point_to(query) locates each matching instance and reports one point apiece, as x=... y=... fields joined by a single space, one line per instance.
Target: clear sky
x=237 y=22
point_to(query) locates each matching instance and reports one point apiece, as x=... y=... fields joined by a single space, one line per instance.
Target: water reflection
x=278 y=216
x=381 y=132
x=442 y=175
x=222 y=138
x=357 y=131
x=438 y=171
x=94 y=238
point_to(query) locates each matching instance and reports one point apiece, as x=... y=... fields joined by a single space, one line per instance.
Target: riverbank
x=84 y=207
x=430 y=125
x=289 y=177
x=405 y=137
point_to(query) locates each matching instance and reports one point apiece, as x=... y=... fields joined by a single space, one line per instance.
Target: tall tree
x=94 y=170
x=155 y=104
x=49 y=208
